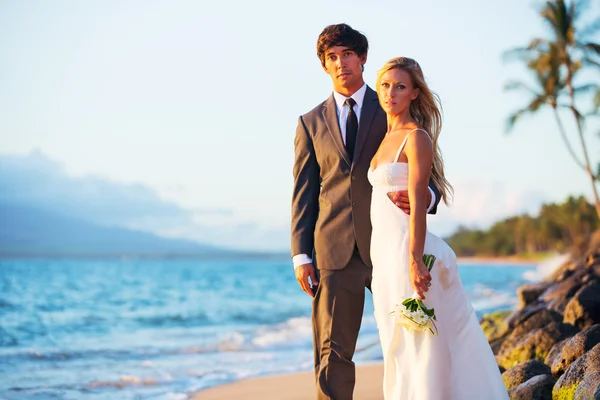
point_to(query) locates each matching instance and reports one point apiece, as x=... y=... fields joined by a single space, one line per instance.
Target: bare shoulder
x=419 y=140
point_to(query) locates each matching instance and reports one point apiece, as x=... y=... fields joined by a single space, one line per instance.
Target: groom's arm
x=305 y=206
x=436 y=197
x=402 y=201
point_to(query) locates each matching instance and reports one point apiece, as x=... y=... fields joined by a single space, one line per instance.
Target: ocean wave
x=7 y=339
x=546 y=268
x=292 y=333
x=484 y=298
x=125 y=381
x=7 y=305
x=177 y=320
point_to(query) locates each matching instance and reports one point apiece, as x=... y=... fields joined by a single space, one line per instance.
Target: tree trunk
x=582 y=140
x=561 y=129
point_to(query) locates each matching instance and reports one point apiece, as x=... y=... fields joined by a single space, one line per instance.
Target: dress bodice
x=393 y=176
x=389 y=175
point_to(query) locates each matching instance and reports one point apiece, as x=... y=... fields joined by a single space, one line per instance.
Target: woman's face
x=396 y=91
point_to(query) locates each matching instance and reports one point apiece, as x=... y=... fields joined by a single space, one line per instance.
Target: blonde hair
x=426 y=111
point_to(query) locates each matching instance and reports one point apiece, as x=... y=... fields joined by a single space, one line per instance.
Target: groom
x=331 y=227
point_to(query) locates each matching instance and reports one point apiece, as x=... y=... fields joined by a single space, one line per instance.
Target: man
x=331 y=224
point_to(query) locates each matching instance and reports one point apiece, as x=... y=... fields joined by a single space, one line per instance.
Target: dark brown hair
x=341 y=35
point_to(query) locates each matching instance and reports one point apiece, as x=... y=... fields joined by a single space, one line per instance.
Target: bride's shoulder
x=418 y=138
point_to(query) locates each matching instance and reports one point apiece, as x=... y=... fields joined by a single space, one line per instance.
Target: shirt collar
x=358 y=96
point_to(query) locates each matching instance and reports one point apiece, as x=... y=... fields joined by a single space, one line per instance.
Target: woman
x=458 y=363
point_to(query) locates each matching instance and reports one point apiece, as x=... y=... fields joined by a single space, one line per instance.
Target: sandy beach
x=298 y=386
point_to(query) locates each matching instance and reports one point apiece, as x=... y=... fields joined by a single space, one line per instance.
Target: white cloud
x=38 y=181
x=479 y=205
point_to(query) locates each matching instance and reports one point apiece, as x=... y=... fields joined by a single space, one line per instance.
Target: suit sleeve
x=305 y=197
x=437 y=196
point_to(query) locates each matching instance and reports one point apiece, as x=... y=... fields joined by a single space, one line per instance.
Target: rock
x=558 y=295
x=539 y=319
x=517 y=317
x=595 y=271
x=584 y=372
x=530 y=292
x=583 y=310
x=563 y=272
x=589 y=387
x=524 y=371
x=494 y=325
x=555 y=352
x=574 y=348
x=535 y=344
x=592 y=258
x=496 y=345
x=537 y=388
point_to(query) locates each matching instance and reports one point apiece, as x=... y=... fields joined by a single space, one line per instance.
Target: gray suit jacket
x=331 y=200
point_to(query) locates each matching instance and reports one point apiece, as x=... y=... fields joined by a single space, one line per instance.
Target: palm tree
x=570 y=49
x=546 y=70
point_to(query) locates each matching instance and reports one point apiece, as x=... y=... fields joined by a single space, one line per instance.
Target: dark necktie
x=351 y=127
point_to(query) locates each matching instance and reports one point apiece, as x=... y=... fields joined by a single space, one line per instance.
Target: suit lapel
x=332 y=122
x=367 y=114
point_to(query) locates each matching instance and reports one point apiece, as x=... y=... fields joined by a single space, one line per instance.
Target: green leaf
x=428 y=260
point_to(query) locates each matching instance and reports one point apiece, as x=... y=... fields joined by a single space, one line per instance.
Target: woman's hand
x=420 y=278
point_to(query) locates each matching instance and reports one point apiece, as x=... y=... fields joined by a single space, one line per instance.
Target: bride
x=458 y=363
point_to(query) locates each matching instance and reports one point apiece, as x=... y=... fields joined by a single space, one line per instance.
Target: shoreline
x=300 y=385
x=293 y=386
x=504 y=261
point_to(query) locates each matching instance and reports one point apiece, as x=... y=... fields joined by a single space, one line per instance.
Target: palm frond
x=513 y=118
x=589 y=30
x=579 y=8
x=592 y=48
x=590 y=62
x=523 y=53
x=549 y=15
x=587 y=88
x=517 y=85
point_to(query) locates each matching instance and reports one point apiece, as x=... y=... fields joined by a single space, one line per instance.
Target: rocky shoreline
x=549 y=347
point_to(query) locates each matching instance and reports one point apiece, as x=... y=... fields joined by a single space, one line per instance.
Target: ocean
x=164 y=328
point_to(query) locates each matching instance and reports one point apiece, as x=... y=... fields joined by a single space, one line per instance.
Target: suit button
x=353 y=177
x=353 y=204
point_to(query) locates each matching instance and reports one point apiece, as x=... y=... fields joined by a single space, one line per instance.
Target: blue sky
x=198 y=102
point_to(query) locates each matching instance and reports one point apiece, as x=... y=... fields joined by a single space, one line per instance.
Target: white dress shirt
x=342 y=112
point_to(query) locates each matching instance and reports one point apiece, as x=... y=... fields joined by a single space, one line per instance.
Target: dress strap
x=404 y=142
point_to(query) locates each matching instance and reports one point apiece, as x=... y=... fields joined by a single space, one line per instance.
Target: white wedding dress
x=458 y=364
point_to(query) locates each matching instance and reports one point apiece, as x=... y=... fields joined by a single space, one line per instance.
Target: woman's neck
x=401 y=121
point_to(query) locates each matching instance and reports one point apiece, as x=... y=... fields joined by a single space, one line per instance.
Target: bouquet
x=412 y=313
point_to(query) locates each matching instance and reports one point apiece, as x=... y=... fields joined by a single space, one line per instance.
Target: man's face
x=344 y=67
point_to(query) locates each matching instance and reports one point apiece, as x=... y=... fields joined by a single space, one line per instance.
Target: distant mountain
x=29 y=231
x=35 y=183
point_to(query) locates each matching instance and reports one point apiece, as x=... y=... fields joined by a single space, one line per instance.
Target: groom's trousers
x=336 y=316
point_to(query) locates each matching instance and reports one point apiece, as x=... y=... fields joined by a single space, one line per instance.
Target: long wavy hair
x=426 y=111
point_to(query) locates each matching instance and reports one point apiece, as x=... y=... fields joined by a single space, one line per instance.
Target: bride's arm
x=419 y=151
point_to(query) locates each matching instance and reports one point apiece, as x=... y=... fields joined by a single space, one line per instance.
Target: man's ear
x=363 y=59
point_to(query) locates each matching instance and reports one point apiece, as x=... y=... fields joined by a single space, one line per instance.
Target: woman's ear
x=415 y=94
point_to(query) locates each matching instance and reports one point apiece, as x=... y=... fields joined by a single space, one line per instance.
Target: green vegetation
x=558 y=228
x=556 y=63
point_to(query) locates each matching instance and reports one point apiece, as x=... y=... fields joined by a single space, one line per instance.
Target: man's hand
x=400 y=199
x=302 y=273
